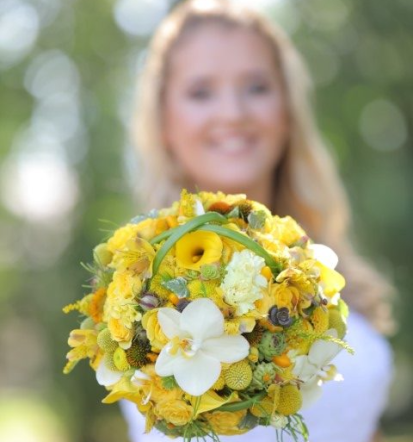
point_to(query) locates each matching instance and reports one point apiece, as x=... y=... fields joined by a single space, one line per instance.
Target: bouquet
x=213 y=317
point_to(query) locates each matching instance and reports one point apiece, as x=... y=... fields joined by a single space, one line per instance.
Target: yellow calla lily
x=195 y=249
x=209 y=401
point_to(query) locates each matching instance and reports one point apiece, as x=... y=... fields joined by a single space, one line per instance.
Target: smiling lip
x=233 y=145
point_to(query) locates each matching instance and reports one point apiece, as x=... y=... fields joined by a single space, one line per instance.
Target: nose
x=232 y=107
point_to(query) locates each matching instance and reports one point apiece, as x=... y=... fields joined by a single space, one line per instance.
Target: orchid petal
x=198 y=374
x=107 y=377
x=311 y=392
x=168 y=319
x=139 y=378
x=202 y=319
x=322 y=352
x=165 y=363
x=226 y=348
x=325 y=255
x=304 y=369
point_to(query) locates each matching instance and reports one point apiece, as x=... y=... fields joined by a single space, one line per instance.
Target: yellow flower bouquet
x=213 y=317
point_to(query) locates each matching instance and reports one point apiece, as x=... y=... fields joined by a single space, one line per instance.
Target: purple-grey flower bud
x=149 y=301
x=182 y=304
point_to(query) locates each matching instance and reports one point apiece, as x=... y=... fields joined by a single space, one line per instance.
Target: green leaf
x=177 y=286
x=249 y=243
x=256 y=219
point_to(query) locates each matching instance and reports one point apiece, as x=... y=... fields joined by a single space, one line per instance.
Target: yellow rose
x=120 y=333
x=177 y=412
x=226 y=423
x=285 y=296
x=154 y=387
x=154 y=331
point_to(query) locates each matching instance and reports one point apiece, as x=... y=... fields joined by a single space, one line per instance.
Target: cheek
x=184 y=123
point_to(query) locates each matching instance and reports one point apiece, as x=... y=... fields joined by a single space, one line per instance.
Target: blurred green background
x=68 y=70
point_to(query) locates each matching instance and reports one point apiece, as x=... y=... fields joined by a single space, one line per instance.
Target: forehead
x=215 y=50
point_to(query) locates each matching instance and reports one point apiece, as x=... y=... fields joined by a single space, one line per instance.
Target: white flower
x=313 y=368
x=197 y=346
x=325 y=255
x=321 y=353
x=278 y=421
x=243 y=283
x=107 y=377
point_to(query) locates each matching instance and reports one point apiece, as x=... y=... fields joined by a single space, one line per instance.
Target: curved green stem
x=176 y=233
x=247 y=242
x=242 y=405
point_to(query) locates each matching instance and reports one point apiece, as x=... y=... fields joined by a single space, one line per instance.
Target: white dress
x=348 y=411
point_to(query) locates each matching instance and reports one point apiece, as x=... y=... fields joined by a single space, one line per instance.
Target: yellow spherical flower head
x=239 y=375
x=290 y=400
x=319 y=319
x=196 y=249
x=176 y=412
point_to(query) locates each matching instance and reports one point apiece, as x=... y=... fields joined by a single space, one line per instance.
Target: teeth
x=233 y=145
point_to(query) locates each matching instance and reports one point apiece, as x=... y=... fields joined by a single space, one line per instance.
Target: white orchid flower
x=325 y=255
x=312 y=369
x=307 y=368
x=107 y=377
x=197 y=346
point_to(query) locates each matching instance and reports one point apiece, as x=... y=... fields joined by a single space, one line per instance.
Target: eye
x=258 y=88
x=200 y=94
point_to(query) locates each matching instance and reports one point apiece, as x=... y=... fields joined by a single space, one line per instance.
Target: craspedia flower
x=109 y=362
x=335 y=320
x=137 y=354
x=263 y=375
x=120 y=360
x=290 y=400
x=272 y=344
x=239 y=375
x=102 y=255
x=320 y=319
x=105 y=341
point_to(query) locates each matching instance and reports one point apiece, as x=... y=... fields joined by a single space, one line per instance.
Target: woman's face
x=224 y=112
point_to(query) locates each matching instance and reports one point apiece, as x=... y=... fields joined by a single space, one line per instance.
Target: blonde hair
x=307 y=185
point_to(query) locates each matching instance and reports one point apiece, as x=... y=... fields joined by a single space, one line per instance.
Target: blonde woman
x=223 y=105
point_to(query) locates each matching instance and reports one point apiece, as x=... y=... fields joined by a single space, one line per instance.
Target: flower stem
x=178 y=232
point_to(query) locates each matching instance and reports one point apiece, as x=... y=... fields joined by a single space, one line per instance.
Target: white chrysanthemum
x=243 y=283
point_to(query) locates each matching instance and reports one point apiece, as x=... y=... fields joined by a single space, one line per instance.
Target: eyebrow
x=205 y=78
